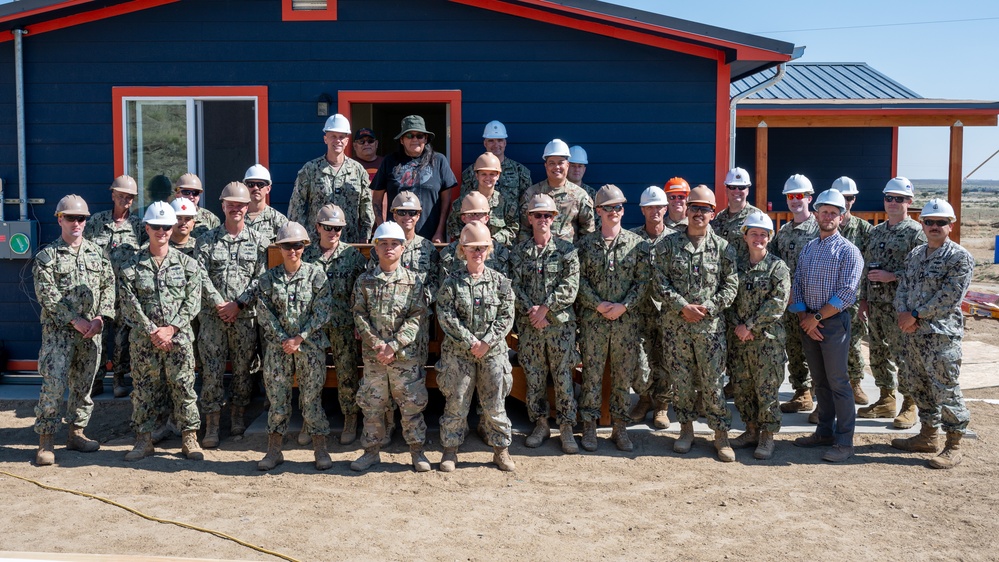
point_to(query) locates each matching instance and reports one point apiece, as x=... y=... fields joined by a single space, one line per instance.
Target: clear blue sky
x=950 y=60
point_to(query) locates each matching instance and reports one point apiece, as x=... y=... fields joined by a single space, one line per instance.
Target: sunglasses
x=476 y=249
x=798 y=196
x=406 y=212
x=612 y=208
x=677 y=197
x=291 y=246
x=365 y=141
x=849 y=197
x=936 y=222
x=895 y=198
x=543 y=216
x=699 y=210
x=255 y=184
x=189 y=193
x=160 y=226
x=74 y=218
x=737 y=187
x=417 y=136
x=331 y=228
x=475 y=215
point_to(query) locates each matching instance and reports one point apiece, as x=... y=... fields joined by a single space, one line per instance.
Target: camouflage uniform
x=153 y=296
x=857 y=231
x=705 y=275
x=513 y=181
x=349 y=188
x=187 y=248
x=575 y=218
x=790 y=239
x=504 y=219
x=499 y=259
x=729 y=227
x=757 y=366
x=675 y=225
x=391 y=308
x=547 y=276
x=204 y=221
x=342 y=267
x=289 y=307
x=887 y=246
x=934 y=285
x=232 y=265
x=475 y=309
x=267 y=223
x=615 y=273
x=655 y=339
x=69 y=285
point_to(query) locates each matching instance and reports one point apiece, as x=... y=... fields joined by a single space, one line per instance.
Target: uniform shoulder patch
x=44 y=256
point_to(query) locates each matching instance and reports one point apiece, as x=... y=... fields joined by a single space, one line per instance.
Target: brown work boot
x=926 y=442
x=859 y=396
x=813 y=418
x=320 y=453
x=951 y=455
x=660 y=419
x=748 y=438
x=589 y=440
x=119 y=387
x=541 y=432
x=884 y=408
x=420 y=462
x=450 y=459
x=800 y=402
x=838 y=453
x=814 y=440
x=620 y=437
x=349 y=429
x=237 y=424
x=304 y=437
x=569 y=446
x=45 y=455
x=190 y=447
x=142 y=449
x=641 y=408
x=273 y=457
x=685 y=441
x=907 y=416
x=765 y=448
x=501 y=458
x=370 y=458
x=725 y=452
x=77 y=441
x=211 y=439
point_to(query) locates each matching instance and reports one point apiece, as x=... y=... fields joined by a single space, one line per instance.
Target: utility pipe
x=735 y=102
x=22 y=164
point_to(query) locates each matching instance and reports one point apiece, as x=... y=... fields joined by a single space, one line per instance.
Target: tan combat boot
x=320 y=453
x=165 y=429
x=725 y=452
x=884 y=408
x=859 y=396
x=641 y=408
x=142 y=449
x=765 y=448
x=685 y=441
x=420 y=462
x=211 y=439
x=800 y=402
x=237 y=424
x=120 y=389
x=450 y=459
x=660 y=419
x=273 y=457
x=541 y=432
x=501 y=458
x=304 y=437
x=589 y=440
x=748 y=438
x=77 y=441
x=925 y=442
x=370 y=458
x=190 y=447
x=951 y=455
x=569 y=446
x=45 y=455
x=349 y=429
x=620 y=437
x=908 y=415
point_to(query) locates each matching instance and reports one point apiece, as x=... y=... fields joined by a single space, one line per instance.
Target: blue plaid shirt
x=828 y=271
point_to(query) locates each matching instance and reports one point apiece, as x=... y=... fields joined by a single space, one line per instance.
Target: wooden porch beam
x=954 y=175
x=762 y=157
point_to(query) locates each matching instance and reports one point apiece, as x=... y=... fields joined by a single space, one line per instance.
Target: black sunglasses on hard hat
x=291 y=245
x=74 y=218
x=936 y=222
x=406 y=212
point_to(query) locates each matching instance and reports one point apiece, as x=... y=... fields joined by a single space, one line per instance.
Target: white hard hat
x=938 y=208
x=160 y=213
x=257 y=172
x=798 y=184
x=577 y=155
x=830 y=197
x=389 y=230
x=738 y=177
x=556 y=147
x=758 y=220
x=183 y=206
x=338 y=124
x=899 y=186
x=653 y=195
x=845 y=185
x=494 y=130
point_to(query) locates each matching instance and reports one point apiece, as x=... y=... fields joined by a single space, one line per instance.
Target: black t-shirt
x=400 y=172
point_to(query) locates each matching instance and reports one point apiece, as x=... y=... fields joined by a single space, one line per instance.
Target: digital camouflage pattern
x=514 y=180
x=787 y=245
x=267 y=223
x=675 y=225
x=204 y=221
x=728 y=225
x=499 y=259
x=504 y=218
x=857 y=231
x=69 y=285
x=575 y=218
x=474 y=310
x=655 y=338
x=547 y=276
x=349 y=188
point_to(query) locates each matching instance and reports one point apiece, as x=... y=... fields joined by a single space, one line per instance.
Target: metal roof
x=826 y=81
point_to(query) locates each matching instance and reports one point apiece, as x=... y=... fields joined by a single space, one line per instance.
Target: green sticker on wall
x=19 y=243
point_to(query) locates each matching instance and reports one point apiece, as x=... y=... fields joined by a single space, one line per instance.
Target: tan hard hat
x=235 y=191
x=406 y=200
x=292 y=232
x=72 y=205
x=609 y=194
x=701 y=194
x=541 y=203
x=474 y=202
x=125 y=184
x=488 y=161
x=475 y=234
x=331 y=215
x=189 y=181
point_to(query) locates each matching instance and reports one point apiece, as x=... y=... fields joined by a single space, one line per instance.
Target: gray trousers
x=827 y=362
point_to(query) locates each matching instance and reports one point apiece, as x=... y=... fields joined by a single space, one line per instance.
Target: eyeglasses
x=677 y=197
x=798 y=196
x=699 y=210
x=849 y=197
x=417 y=136
x=612 y=208
x=543 y=216
x=476 y=215
x=74 y=218
x=936 y=222
x=365 y=141
x=291 y=246
x=331 y=228
x=255 y=184
x=189 y=193
x=160 y=226
x=895 y=198
x=406 y=212
x=476 y=249
x=737 y=187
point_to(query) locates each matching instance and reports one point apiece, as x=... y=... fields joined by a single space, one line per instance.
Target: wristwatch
x=915 y=314
x=818 y=317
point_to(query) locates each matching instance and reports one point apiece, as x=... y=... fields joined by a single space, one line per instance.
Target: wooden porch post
x=762 y=153
x=954 y=175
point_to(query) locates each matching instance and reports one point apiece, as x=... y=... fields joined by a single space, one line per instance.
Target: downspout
x=22 y=165
x=735 y=102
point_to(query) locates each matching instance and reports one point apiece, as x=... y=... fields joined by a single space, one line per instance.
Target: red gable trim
x=36 y=11
x=87 y=17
